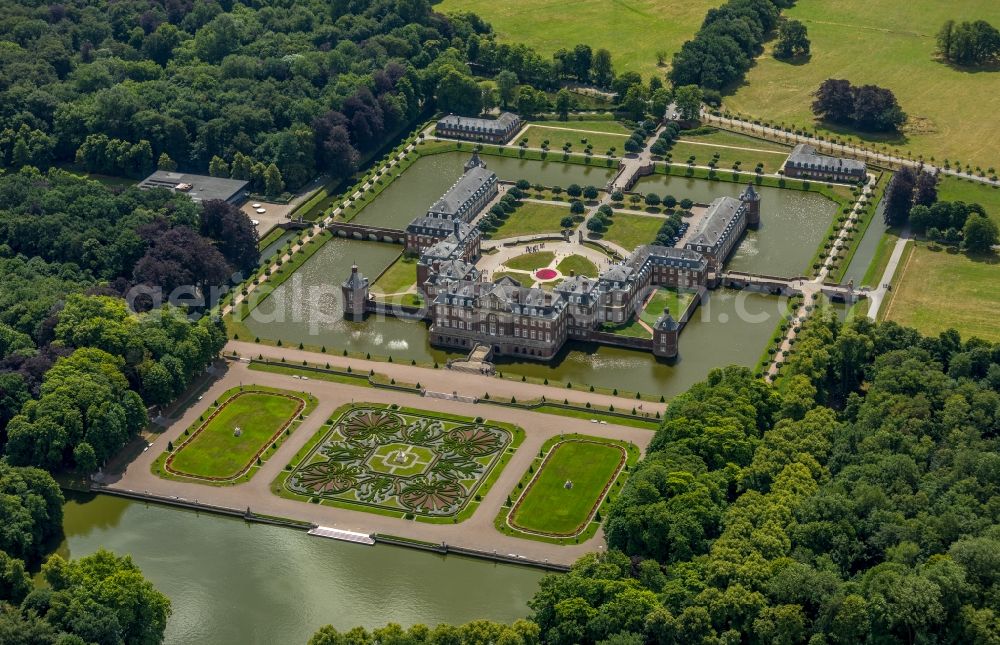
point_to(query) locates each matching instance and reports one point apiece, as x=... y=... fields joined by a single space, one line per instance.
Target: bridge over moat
x=366 y=232
x=791 y=286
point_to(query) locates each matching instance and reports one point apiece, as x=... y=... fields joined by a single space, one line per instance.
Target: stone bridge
x=365 y=232
x=789 y=286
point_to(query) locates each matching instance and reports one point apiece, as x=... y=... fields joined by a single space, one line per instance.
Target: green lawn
x=531 y=261
x=548 y=506
x=736 y=140
x=630 y=231
x=889 y=43
x=110 y=181
x=646 y=423
x=523 y=278
x=673 y=299
x=632 y=328
x=215 y=452
x=608 y=126
x=939 y=290
x=562 y=133
x=681 y=152
x=400 y=276
x=531 y=218
x=577 y=264
x=358 y=380
x=632 y=30
x=953 y=189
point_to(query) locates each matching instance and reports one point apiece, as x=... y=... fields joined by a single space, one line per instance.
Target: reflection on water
x=793 y=222
x=239 y=583
x=867 y=248
x=272 y=248
x=420 y=185
x=730 y=327
x=726 y=329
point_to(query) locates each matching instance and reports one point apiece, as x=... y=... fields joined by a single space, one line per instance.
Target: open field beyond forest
x=889 y=43
x=953 y=189
x=632 y=30
x=568 y=486
x=531 y=218
x=940 y=289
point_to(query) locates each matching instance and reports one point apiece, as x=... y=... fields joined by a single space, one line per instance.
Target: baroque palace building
x=465 y=311
x=499 y=130
x=805 y=162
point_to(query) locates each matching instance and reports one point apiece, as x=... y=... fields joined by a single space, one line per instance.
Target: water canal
x=867 y=248
x=793 y=222
x=730 y=327
x=236 y=583
x=420 y=185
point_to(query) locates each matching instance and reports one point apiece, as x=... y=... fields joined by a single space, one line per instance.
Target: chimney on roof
x=572 y=273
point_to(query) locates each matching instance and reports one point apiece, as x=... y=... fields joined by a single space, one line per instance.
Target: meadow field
x=953 y=189
x=941 y=289
x=889 y=43
x=632 y=30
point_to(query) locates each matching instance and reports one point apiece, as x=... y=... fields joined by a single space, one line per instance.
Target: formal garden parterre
x=403 y=462
x=238 y=433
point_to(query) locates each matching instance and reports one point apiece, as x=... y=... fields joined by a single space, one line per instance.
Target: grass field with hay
x=940 y=289
x=892 y=44
x=632 y=30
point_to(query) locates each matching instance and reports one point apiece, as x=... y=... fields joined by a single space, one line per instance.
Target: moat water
x=236 y=583
x=420 y=185
x=793 y=223
x=731 y=327
x=867 y=248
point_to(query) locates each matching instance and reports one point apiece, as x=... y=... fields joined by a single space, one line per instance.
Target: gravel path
x=477 y=532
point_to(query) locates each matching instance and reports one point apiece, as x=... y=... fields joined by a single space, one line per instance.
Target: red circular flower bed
x=546 y=274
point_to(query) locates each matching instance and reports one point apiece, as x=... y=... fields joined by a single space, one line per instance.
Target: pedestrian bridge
x=364 y=232
x=789 y=286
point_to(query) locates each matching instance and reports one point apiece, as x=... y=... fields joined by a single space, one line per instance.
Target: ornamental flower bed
x=546 y=274
x=400 y=461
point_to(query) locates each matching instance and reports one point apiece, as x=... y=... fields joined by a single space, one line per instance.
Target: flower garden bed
x=400 y=462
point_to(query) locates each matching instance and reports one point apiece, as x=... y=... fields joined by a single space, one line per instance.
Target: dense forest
x=121 y=87
x=293 y=89
x=856 y=502
x=729 y=39
x=78 y=368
